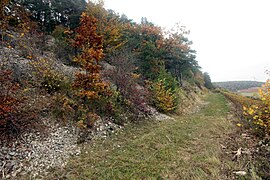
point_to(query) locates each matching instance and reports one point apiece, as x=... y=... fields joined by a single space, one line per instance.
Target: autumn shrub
x=72 y=110
x=165 y=92
x=63 y=107
x=254 y=112
x=8 y=99
x=18 y=107
x=91 y=90
x=47 y=76
x=163 y=98
x=132 y=95
x=259 y=113
x=169 y=81
x=51 y=82
x=117 y=107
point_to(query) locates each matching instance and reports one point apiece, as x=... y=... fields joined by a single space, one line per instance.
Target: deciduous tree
x=90 y=84
x=109 y=26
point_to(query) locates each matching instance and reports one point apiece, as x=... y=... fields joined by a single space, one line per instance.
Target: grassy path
x=185 y=148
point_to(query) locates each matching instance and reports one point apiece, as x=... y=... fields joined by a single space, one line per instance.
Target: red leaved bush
x=123 y=75
x=8 y=100
x=17 y=112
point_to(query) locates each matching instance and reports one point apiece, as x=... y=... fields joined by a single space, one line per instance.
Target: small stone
x=12 y=153
x=8 y=176
x=241 y=173
x=8 y=156
x=14 y=174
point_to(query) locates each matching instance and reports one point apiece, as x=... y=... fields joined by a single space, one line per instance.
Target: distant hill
x=237 y=85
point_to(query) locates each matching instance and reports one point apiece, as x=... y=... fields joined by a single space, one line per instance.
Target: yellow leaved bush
x=259 y=113
x=163 y=99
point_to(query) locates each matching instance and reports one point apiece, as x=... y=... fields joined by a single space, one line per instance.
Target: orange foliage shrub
x=89 y=85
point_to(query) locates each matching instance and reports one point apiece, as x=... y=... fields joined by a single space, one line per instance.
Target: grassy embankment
x=188 y=147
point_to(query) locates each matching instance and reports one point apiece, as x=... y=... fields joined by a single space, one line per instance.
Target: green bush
x=165 y=92
x=51 y=83
x=163 y=99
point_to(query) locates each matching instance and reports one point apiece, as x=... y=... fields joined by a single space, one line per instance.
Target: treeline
x=238 y=85
x=148 y=66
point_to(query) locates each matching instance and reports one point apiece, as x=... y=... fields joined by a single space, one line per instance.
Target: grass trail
x=185 y=148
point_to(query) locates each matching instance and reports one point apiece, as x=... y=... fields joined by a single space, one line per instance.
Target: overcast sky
x=231 y=37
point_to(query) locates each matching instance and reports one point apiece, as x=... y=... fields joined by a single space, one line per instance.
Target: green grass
x=185 y=148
